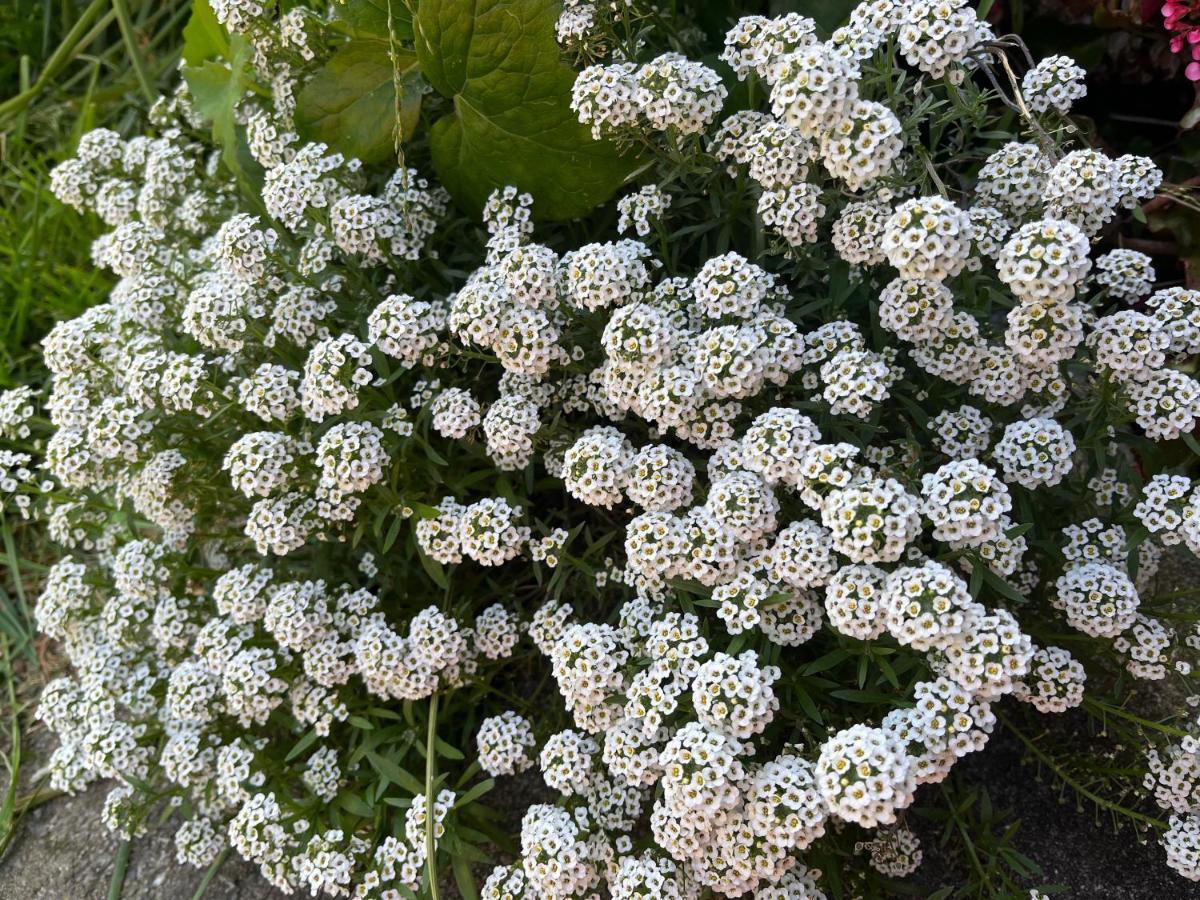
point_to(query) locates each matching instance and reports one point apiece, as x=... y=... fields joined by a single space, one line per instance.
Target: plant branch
x=430 y=775
x=121 y=8
x=77 y=38
x=1074 y=784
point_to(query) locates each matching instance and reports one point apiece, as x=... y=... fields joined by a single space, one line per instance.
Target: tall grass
x=66 y=66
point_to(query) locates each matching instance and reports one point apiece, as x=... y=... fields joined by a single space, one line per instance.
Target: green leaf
x=1190 y=440
x=476 y=791
x=1002 y=587
x=216 y=91
x=977 y=567
x=434 y=570
x=856 y=696
x=467 y=888
x=301 y=745
x=806 y=703
x=498 y=60
x=888 y=672
x=203 y=36
x=369 y=18
x=392 y=533
x=447 y=750
x=350 y=103
x=355 y=805
x=393 y=773
x=828 y=661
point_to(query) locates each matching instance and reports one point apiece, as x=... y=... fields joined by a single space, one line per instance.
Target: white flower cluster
x=1054 y=83
x=331 y=451
x=504 y=742
x=643 y=209
x=1128 y=274
x=670 y=93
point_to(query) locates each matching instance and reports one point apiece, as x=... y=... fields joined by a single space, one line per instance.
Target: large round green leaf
x=350 y=103
x=512 y=121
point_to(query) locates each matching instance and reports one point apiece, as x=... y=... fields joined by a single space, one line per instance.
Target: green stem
x=1066 y=779
x=966 y=836
x=430 y=775
x=119 y=868
x=24 y=618
x=1108 y=709
x=8 y=809
x=121 y=8
x=63 y=54
x=211 y=874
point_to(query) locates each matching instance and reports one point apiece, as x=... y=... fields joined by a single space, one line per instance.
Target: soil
x=63 y=852
x=1076 y=848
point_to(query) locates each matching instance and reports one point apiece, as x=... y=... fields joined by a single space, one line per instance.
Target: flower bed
x=836 y=429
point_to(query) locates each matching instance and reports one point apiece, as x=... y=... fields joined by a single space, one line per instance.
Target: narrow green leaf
x=301 y=745
x=463 y=877
x=476 y=791
x=828 y=661
x=355 y=805
x=392 y=533
x=447 y=750
x=395 y=773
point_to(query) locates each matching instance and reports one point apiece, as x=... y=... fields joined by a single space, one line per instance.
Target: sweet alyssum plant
x=784 y=410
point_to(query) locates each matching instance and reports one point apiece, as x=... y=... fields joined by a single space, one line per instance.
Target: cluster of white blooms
x=17 y=407
x=858 y=231
x=328 y=454
x=928 y=238
x=864 y=145
x=643 y=209
x=865 y=775
x=1054 y=83
x=1046 y=261
x=734 y=695
x=1097 y=598
x=966 y=501
x=1146 y=647
x=925 y=606
x=1128 y=274
x=1083 y=189
x=670 y=93
x=935 y=35
x=504 y=742
x=407 y=329
x=873 y=521
x=1035 y=452
x=1054 y=683
x=1013 y=178
x=1182 y=844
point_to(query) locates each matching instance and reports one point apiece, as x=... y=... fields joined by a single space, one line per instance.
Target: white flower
x=504 y=742
x=928 y=238
x=1054 y=83
x=865 y=775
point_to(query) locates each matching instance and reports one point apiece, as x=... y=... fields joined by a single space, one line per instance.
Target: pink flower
x=1182 y=20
